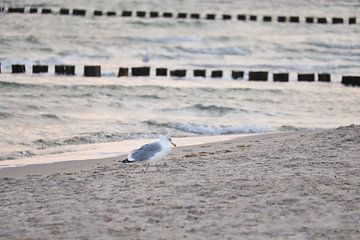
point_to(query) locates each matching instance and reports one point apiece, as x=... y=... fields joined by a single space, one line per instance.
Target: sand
x=290 y=185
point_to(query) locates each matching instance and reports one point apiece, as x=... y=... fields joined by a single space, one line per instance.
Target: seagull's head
x=167 y=139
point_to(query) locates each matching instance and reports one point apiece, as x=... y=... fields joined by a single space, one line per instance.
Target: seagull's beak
x=173 y=143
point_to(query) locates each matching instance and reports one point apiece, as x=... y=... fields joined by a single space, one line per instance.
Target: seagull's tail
x=125 y=161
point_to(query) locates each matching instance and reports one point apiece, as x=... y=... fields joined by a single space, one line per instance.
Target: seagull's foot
x=157 y=168
x=144 y=170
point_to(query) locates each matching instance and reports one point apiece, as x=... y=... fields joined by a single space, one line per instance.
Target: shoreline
x=288 y=185
x=107 y=150
x=70 y=165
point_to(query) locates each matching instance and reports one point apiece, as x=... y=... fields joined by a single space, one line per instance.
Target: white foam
x=218 y=130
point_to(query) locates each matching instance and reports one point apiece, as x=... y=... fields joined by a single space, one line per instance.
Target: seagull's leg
x=157 y=167
x=147 y=166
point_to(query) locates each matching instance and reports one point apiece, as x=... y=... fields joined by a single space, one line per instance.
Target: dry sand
x=291 y=185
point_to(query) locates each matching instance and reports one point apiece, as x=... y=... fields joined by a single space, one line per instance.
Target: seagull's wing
x=145 y=152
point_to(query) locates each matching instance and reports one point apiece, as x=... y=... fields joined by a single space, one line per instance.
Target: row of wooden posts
x=184 y=15
x=95 y=71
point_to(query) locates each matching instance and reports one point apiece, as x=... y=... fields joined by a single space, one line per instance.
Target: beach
x=260 y=97
x=288 y=185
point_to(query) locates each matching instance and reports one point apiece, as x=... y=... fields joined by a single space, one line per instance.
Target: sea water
x=52 y=115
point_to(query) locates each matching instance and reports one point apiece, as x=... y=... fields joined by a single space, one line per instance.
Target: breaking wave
x=91 y=137
x=16 y=155
x=206 y=129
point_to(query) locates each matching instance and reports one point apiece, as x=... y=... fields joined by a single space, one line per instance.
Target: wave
x=4 y=115
x=15 y=85
x=345 y=46
x=16 y=155
x=184 y=128
x=91 y=137
x=50 y=116
x=212 y=107
x=261 y=100
x=292 y=128
x=33 y=107
x=277 y=91
x=173 y=39
x=206 y=129
x=89 y=88
x=216 y=51
x=32 y=39
x=150 y=96
x=4 y=112
x=43 y=87
x=220 y=110
x=79 y=95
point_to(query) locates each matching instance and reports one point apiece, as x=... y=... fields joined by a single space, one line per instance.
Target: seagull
x=151 y=152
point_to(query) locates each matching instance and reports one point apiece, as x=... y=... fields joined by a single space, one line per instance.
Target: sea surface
x=53 y=114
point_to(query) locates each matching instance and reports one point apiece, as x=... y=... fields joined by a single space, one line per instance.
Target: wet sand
x=289 y=185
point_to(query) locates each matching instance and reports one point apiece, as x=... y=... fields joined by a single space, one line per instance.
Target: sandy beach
x=288 y=185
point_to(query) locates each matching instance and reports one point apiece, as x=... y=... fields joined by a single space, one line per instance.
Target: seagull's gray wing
x=146 y=152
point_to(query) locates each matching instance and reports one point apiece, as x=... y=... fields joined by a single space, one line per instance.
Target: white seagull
x=151 y=152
